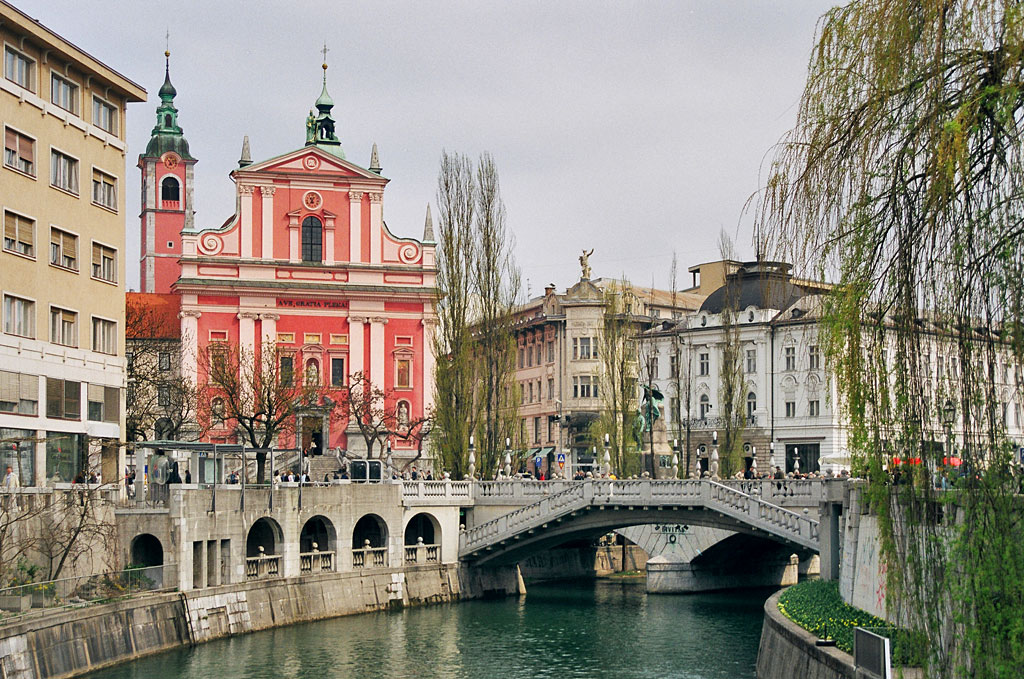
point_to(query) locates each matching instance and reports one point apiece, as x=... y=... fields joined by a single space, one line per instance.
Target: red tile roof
x=152 y=316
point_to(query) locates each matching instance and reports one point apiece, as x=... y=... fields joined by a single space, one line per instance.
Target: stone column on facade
x=269 y=327
x=190 y=345
x=247 y=332
x=355 y=344
x=293 y=238
x=428 y=365
x=329 y=238
x=39 y=477
x=376 y=230
x=355 y=226
x=377 y=351
x=267 y=226
x=245 y=192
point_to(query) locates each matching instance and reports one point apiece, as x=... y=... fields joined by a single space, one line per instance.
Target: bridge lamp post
x=508 y=457
x=772 y=461
x=714 y=455
x=753 y=461
x=607 y=456
x=472 y=458
x=948 y=420
x=388 y=461
x=796 y=460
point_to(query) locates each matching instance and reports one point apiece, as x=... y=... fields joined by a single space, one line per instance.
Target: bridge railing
x=576 y=494
x=370 y=557
x=316 y=562
x=761 y=511
x=421 y=553
x=265 y=566
x=442 y=492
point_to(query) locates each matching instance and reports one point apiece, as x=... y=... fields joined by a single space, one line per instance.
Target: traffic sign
x=538 y=460
x=561 y=460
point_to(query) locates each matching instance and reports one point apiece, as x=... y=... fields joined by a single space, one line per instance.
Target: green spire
x=166 y=134
x=320 y=124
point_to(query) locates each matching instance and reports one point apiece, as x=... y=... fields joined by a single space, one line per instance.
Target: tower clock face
x=171 y=160
x=312 y=200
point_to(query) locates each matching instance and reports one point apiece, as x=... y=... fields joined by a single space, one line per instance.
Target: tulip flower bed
x=816 y=606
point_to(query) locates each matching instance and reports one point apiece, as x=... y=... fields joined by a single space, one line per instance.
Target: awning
x=532 y=452
x=544 y=452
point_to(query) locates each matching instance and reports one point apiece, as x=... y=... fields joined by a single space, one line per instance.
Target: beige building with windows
x=62 y=260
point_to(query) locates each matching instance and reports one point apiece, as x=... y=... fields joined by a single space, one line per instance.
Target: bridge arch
x=146 y=550
x=318 y=530
x=370 y=528
x=423 y=525
x=265 y=533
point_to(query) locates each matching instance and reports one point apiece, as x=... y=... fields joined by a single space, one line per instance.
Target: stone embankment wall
x=788 y=651
x=582 y=562
x=70 y=643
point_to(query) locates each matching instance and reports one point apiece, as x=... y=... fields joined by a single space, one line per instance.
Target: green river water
x=603 y=629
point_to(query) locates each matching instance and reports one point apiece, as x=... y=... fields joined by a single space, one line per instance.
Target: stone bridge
x=576 y=509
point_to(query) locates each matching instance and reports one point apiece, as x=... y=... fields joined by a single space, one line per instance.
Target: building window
x=531 y=392
x=63 y=172
x=104 y=403
x=551 y=389
x=104 y=263
x=790 y=408
x=337 y=372
x=539 y=346
x=529 y=356
x=312 y=240
x=790 y=354
x=751 y=361
x=705 y=406
x=522 y=356
x=19 y=394
x=19 y=316
x=673 y=407
x=536 y=430
x=63 y=327
x=19 y=152
x=104 y=115
x=163 y=396
x=63 y=249
x=19 y=234
x=65 y=456
x=587 y=386
x=673 y=366
x=170 y=189
x=751 y=404
x=164 y=361
x=652 y=367
x=813 y=408
x=814 y=357
x=18 y=68
x=287 y=369
x=704 y=363
x=63 y=399
x=104 y=336
x=104 y=189
x=63 y=93
x=551 y=351
x=403 y=373
x=585 y=348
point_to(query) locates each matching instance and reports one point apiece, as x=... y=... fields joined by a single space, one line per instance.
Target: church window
x=169 y=189
x=403 y=373
x=312 y=240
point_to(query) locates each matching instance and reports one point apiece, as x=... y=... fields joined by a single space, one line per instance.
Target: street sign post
x=561 y=460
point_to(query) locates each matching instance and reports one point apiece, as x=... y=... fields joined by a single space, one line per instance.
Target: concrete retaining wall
x=69 y=643
x=787 y=651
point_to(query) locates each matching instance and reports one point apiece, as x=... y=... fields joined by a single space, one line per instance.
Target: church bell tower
x=168 y=171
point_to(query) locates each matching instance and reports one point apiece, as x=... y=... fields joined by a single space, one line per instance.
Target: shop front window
x=65 y=456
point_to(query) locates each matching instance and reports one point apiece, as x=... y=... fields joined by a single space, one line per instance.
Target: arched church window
x=169 y=189
x=705 y=406
x=312 y=240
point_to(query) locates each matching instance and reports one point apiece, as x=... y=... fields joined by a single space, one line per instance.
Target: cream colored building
x=62 y=268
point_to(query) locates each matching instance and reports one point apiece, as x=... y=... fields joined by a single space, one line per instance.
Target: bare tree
x=159 y=399
x=371 y=409
x=79 y=524
x=730 y=374
x=496 y=283
x=618 y=379
x=455 y=408
x=19 y=534
x=256 y=393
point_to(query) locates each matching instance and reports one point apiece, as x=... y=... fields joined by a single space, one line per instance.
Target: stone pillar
x=377 y=351
x=267 y=235
x=355 y=229
x=247 y=332
x=190 y=344
x=328 y=238
x=830 y=538
x=39 y=477
x=269 y=327
x=376 y=230
x=355 y=344
x=294 y=253
x=428 y=366
x=245 y=220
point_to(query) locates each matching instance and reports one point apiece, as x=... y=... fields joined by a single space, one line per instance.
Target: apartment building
x=62 y=261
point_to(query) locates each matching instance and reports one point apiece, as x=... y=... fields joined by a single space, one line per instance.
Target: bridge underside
x=591 y=522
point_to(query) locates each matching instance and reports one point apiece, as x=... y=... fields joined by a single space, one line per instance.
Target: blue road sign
x=561 y=458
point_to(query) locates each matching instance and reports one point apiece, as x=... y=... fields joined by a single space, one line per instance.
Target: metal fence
x=871 y=654
x=85 y=590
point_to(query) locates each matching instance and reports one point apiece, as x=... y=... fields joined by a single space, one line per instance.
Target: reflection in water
x=603 y=630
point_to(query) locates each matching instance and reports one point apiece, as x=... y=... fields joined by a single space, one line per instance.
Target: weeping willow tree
x=902 y=180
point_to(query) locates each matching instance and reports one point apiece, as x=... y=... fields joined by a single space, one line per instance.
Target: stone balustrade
x=263 y=566
x=421 y=553
x=370 y=557
x=316 y=561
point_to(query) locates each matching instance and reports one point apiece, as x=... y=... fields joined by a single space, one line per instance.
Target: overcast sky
x=634 y=128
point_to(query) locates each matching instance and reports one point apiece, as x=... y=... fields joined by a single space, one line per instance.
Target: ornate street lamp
x=472 y=458
x=607 y=456
x=948 y=420
x=771 y=457
x=714 y=456
x=508 y=457
x=675 y=458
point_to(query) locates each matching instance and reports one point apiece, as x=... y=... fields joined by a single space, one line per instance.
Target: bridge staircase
x=727 y=501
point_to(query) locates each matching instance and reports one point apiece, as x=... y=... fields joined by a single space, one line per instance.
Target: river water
x=604 y=629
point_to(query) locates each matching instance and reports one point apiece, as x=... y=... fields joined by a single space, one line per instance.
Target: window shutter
x=72 y=400
x=11 y=139
x=54 y=397
x=69 y=245
x=97 y=254
x=29 y=388
x=26 y=232
x=9 y=386
x=10 y=225
x=25 y=149
x=111 y=404
x=96 y=393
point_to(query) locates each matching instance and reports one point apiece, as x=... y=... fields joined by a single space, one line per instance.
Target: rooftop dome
x=762 y=285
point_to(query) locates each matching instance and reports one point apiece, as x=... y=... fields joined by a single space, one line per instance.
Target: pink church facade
x=307 y=263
